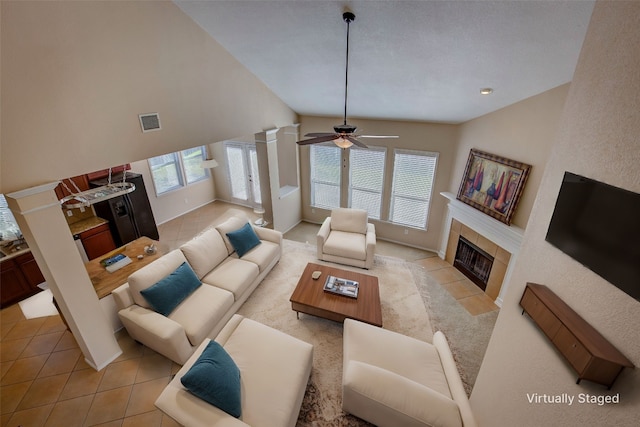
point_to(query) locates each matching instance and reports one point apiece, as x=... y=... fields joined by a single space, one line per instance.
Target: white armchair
x=346 y=237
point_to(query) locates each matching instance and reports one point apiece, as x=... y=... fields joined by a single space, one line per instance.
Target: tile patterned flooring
x=44 y=380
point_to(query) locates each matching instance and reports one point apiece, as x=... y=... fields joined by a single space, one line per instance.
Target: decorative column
x=41 y=220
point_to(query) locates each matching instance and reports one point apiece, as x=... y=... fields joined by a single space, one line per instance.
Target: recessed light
x=486 y=91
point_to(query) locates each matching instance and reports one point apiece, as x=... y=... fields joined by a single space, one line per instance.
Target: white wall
x=598 y=138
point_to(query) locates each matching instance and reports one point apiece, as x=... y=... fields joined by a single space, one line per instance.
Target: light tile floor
x=44 y=380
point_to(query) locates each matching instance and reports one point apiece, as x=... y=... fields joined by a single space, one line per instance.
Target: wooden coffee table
x=310 y=298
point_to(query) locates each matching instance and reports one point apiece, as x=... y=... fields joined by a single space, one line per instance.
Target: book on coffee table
x=339 y=286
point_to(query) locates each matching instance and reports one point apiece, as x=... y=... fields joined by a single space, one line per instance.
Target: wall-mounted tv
x=599 y=226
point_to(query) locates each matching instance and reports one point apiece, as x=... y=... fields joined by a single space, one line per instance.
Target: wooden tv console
x=589 y=353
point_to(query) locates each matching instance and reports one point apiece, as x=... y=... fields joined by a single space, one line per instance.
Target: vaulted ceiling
x=409 y=60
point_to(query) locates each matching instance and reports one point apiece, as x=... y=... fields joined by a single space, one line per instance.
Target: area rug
x=403 y=310
x=468 y=335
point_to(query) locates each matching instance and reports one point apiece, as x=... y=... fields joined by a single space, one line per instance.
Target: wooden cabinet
x=81 y=181
x=29 y=268
x=20 y=277
x=589 y=353
x=97 y=241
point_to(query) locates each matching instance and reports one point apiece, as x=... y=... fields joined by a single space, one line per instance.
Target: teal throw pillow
x=215 y=378
x=169 y=292
x=243 y=239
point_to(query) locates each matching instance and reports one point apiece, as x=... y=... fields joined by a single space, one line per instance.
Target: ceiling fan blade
x=377 y=136
x=319 y=134
x=356 y=142
x=326 y=137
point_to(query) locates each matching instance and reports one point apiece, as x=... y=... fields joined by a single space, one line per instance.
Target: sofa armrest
x=370 y=242
x=122 y=296
x=157 y=332
x=323 y=234
x=269 y=235
x=386 y=398
x=453 y=378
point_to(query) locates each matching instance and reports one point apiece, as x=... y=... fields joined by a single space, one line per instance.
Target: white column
x=41 y=220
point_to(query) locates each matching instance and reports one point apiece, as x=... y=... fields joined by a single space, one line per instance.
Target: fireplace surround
x=497 y=239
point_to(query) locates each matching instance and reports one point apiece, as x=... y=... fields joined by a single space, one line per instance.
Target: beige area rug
x=403 y=310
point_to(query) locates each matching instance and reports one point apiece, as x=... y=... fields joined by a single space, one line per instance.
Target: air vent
x=149 y=122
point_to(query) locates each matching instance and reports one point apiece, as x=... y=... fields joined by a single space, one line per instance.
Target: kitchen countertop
x=25 y=249
x=86 y=224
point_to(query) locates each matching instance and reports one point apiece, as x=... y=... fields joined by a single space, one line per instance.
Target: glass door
x=244 y=179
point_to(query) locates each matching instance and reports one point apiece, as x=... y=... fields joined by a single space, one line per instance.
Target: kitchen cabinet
x=29 y=268
x=20 y=277
x=81 y=181
x=589 y=353
x=97 y=241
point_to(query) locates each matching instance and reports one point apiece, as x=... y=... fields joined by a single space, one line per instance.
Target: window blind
x=325 y=176
x=366 y=179
x=413 y=176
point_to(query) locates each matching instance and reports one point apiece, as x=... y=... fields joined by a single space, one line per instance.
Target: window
x=175 y=170
x=8 y=227
x=325 y=176
x=191 y=160
x=166 y=173
x=366 y=179
x=413 y=176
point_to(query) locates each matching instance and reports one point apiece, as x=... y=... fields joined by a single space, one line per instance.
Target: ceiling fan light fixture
x=342 y=142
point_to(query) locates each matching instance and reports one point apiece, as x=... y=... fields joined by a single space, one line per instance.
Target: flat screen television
x=599 y=226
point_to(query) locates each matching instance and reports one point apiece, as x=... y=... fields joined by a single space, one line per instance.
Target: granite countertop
x=86 y=224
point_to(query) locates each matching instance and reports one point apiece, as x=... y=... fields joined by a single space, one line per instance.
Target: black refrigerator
x=129 y=215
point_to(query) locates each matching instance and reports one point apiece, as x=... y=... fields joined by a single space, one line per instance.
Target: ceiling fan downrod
x=348 y=17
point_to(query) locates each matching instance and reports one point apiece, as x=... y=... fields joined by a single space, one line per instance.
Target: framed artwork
x=493 y=184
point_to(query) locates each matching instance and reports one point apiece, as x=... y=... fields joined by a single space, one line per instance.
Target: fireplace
x=473 y=262
x=491 y=237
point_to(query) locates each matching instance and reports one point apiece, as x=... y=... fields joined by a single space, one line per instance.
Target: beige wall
x=598 y=138
x=440 y=138
x=75 y=76
x=524 y=132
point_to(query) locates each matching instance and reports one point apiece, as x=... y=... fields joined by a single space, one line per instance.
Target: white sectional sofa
x=274 y=371
x=227 y=281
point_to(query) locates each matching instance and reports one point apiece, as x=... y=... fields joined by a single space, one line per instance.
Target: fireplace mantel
x=507 y=237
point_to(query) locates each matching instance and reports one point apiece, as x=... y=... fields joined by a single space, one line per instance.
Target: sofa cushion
x=227 y=226
x=205 y=251
x=199 y=313
x=151 y=274
x=169 y=292
x=350 y=220
x=243 y=239
x=234 y=275
x=215 y=378
x=346 y=245
x=263 y=254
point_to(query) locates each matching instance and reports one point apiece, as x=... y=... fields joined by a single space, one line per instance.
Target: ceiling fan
x=344 y=135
